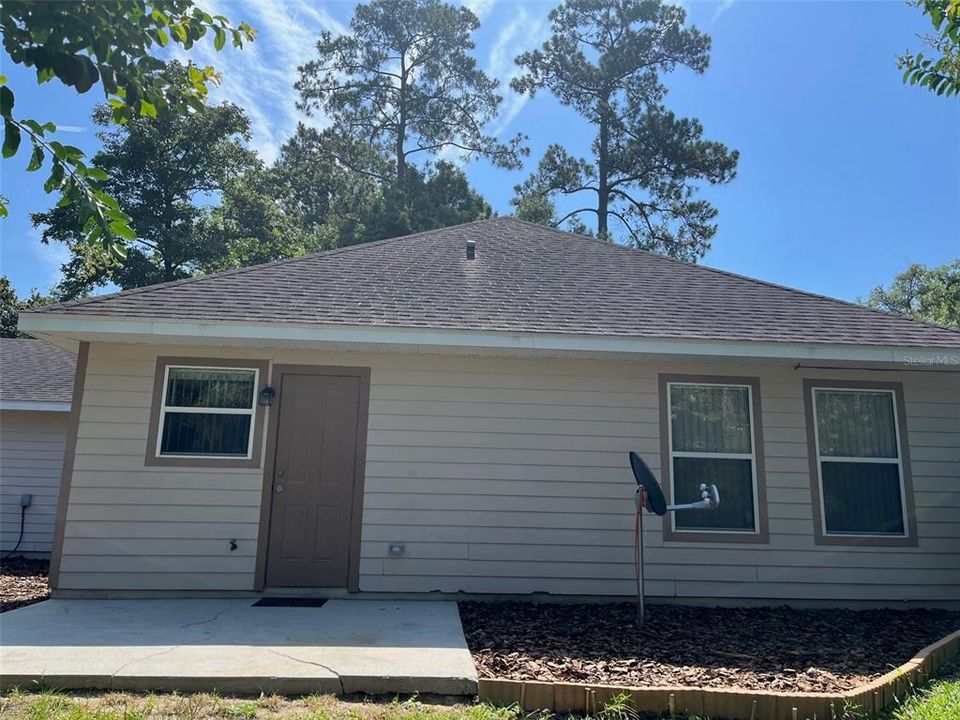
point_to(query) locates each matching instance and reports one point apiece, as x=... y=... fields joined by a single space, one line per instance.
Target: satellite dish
x=656 y=502
x=649 y=488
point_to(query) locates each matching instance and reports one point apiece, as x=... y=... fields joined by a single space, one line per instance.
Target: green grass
x=940 y=700
x=52 y=705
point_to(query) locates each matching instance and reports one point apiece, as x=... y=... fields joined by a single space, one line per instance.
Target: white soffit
x=35 y=405
x=61 y=328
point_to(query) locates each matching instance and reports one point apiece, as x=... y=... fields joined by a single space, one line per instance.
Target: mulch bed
x=22 y=582
x=781 y=649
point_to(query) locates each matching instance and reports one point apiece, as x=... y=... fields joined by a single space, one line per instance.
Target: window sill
x=670 y=535
x=865 y=540
x=200 y=463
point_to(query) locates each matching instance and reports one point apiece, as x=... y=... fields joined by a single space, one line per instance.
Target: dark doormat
x=290 y=602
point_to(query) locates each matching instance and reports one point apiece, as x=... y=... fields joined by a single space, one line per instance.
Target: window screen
x=207 y=412
x=859 y=461
x=711 y=441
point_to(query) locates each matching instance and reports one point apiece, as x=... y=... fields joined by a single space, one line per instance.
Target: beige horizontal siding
x=512 y=477
x=31 y=459
x=154 y=581
x=503 y=475
x=132 y=527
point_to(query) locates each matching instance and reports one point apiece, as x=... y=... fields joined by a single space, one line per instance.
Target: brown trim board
x=266 y=503
x=66 y=474
x=763 y=530
x=150 y=457
x=819 y=538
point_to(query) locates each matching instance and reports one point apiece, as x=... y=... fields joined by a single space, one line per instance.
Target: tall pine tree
x=403 y=81
x=605 y=59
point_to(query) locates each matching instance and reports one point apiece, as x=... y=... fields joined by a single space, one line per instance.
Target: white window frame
x=751 y=456
x=898 y=461
x=164 y=409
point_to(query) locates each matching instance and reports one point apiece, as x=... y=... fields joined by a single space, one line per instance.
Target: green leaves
x=36 y=158
x=11 y=131
x=69 y=174
x=148 y=109
x=55 y=180
x=940 y=75
x=6 y=101
x=122 y=229
x=11 y=138
x=179 y=33
x=85 y=43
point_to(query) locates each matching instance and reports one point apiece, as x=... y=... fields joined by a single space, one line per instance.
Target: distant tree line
x=924 y=293
x=11 y=305
x=175 y=191
x=407 y=106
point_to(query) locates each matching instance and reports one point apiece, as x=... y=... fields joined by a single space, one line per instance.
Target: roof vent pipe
x=471 y=249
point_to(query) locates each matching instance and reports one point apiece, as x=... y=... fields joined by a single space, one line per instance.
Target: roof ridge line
x=248 y=268
x=759 y=281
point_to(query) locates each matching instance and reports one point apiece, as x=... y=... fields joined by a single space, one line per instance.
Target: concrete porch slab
x=346 y=646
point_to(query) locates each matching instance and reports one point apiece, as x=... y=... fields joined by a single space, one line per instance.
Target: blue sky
x=846 y=175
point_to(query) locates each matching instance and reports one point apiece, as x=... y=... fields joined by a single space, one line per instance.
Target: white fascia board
x=191 y=332
x=35 y=405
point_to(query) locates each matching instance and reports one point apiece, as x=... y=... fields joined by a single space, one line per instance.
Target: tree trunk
x=164 y=244
x=603 y=168
x=402 y=121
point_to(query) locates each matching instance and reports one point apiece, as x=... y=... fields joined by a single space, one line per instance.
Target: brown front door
x=317 y=471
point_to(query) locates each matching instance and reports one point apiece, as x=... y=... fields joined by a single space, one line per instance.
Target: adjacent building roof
x=35 y=371
x=524 y=278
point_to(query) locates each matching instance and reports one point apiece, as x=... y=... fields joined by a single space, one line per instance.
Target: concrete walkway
x=227 y=645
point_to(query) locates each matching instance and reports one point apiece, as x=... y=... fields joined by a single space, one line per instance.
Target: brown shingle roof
x=525 y=278
x=35 y=370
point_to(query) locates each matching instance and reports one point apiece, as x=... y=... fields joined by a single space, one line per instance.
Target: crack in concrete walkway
x=344 y=646
x=123 y=667
x=207 y=622
x=329 y=669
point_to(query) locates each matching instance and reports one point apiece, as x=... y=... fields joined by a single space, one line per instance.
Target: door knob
x=279 y=489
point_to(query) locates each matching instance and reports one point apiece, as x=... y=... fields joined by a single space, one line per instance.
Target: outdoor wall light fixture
x=266 y=396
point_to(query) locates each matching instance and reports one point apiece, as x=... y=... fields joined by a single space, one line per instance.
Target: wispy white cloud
x=71 y=129
x=49 y=259
x=260 y=77
x=523 y=30
x=527 y=28
x=480 y=8
x=722 y=7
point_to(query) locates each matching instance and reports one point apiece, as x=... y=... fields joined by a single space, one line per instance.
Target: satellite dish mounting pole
x=640 y=500
x=650 y=496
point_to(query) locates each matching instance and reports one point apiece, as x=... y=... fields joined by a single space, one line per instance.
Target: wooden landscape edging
x=728 y=703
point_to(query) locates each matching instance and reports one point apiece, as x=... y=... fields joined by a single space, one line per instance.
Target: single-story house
x=36 y=382
x=452 y=411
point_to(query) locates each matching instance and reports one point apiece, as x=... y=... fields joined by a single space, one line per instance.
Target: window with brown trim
x=858 y=462
x=205 y=413
x=710 y=429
